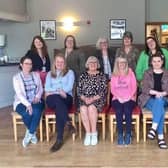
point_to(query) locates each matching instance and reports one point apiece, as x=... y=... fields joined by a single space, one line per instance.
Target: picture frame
x=48 y=29
x=117 y=28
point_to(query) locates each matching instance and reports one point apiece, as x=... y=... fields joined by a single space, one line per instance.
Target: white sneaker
x=26 y=140
x=94 y=139
x=34 y=139
x=87 y=139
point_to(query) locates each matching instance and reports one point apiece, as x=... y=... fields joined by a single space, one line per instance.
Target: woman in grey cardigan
x=154 y=97
x=75 y=58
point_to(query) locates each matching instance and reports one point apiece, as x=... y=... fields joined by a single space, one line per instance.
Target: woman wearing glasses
x=28 y=103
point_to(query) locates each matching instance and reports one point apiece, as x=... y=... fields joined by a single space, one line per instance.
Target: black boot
x=58 y=144
x=71 y=128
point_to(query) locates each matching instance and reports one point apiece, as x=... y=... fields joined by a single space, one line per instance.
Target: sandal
x=151 y=134
x=162 y=144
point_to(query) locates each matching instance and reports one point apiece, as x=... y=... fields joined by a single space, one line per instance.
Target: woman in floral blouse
x=92 y=91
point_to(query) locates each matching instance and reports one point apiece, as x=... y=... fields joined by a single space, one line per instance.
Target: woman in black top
x=154 y=96
x=39 y=56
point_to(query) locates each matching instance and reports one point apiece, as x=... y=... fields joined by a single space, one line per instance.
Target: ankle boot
x=71 y=128
x=57 y=146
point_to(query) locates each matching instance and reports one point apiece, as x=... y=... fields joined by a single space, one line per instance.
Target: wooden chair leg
x=53 y=128
x=15 y=129
x=111 y=128
x=73 y=123
x=165 y=128
x=47 y=128
x=137 y=128
x=41 y=130
x=103 y=127
x=80 y=126
x=144 y=129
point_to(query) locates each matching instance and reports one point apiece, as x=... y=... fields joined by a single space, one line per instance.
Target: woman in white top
x=27 y=101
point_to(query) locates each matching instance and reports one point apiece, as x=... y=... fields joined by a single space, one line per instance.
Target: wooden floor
x=74 y=154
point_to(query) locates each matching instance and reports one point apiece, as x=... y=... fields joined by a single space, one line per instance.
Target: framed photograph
x=117 y=28
x=48 y=29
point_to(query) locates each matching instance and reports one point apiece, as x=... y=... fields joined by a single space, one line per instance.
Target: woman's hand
x=36 y=100
x=62 y=93
x=160 y=94
x=29 y=110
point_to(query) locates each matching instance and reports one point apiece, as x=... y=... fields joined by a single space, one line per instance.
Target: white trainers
x=94 y=139
x=34 y=139
x=87 y=139
x=26 y=140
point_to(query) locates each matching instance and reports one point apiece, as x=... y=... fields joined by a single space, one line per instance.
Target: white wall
x=98 y=11
x=157 y=10
x=13 y=6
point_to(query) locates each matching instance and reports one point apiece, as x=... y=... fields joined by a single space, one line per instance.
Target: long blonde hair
x=116 y=68
x=53 y=67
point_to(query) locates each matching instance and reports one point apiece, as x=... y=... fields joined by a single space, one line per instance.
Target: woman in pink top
x=123 y=89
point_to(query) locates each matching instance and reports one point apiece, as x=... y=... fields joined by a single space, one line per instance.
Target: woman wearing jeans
x=28 y=103
x=123 y=89
x=154 y=96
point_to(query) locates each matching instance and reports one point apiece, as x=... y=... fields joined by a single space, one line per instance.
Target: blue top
x=65 y=82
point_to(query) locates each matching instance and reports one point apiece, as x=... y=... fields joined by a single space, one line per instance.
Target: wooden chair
x=147 y=119
x=17 y=120
x=135 y=120
x=50 y=120
x=101 y=116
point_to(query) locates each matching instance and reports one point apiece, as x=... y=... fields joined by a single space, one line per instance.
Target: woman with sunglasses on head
x=28 y=92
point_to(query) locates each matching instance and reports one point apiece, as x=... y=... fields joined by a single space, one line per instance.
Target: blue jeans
x=123 y=109
x=31 y=121
x=157 y=106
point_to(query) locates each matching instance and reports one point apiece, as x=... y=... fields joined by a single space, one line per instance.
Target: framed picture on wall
x=117 y=28
x=48 y=29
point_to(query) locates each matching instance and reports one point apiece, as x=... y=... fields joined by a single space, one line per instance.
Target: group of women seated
x=37 y=83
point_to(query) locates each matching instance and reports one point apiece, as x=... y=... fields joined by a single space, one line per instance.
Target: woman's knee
x=83 y=109
x=92 y=109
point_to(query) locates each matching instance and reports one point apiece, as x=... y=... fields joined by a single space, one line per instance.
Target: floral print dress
x=91 y=85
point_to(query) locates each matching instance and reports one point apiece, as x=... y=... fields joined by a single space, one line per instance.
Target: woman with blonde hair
x=91 y=90
x=58 y=92
x=123 y=89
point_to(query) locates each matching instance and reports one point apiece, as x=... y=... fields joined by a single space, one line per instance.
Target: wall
x=157 y=11
x=98 y=11
x=6 y=91
x=14 y=10
x=14 y=6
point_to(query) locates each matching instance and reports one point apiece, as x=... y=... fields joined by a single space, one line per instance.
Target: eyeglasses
x=26 y=63
x=122 y=62
x=103 y=42
x=95 y=62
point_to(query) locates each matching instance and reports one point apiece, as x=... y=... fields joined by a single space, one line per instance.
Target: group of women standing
x=91 y=77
